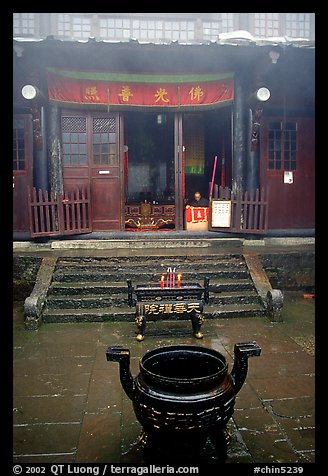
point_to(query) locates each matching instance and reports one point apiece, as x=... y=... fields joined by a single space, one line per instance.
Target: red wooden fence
x=249 y=211
x=70 y=213
x=60 y=214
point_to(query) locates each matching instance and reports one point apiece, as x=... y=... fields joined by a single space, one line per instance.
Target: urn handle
x=242 y=351
x=115 y=353
x=122 y=356
x=247 y=349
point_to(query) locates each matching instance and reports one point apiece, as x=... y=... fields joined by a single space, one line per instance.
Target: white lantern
x=263 y=94
x=29 y=92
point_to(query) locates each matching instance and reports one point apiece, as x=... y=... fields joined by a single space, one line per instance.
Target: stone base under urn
x=185 y=448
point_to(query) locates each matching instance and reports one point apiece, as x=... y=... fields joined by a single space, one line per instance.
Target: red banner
x=88 y=88
x=196 y=214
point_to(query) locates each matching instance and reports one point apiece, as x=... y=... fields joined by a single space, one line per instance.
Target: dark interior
x=187 y=366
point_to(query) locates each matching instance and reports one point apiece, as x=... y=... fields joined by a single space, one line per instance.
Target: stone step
x=161 y=244
x=158 y=264
x=118 y=314
x=90 y=288
x=140 y=277
x=155 y=269
x=95 y=288
x=150 y=259
x=89 y=315
x=78 y=301
x=244 y=310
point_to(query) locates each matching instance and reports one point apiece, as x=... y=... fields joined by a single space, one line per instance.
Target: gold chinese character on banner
x=196 y=93
x=168 y=308
x=193 y=306
x=91 y=94
x=160 y=95
x=126 y=93
x=151 y=309
x=180 y=308
x=161 y=309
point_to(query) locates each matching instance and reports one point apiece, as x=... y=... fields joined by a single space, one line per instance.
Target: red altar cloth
x=196 y=214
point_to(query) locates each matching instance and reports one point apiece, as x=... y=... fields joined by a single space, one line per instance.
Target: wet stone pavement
x=69 y=406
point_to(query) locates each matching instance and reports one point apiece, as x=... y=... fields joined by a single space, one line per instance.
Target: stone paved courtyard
x=69 y=405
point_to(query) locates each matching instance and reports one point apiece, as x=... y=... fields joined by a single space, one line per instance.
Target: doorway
x=287 y=169
x=206 y=135
x=91 y=160
x=143 y=167
x=149 y=171
x=149 y=147
x=22 y=170
x=167 y=158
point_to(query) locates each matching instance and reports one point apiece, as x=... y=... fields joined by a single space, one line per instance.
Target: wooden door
x=22 y=170
x=91 y=159
x=105 y=173
x=287 y=168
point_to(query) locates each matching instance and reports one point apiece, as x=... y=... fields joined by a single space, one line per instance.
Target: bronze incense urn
x=183 y=396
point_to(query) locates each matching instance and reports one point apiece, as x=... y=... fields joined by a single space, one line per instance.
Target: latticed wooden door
x=105 y=174
x=91 y=159
x=22 y=170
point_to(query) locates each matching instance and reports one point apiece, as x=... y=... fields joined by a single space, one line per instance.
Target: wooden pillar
x=253 y=156
x=178 y=172
x=239 y=137
x=40 y=151
x=55 y=152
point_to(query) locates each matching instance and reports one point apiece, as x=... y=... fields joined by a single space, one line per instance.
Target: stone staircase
x=95 y=288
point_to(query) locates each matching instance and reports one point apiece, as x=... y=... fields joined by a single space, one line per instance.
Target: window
x=282 y=145
x=74 y=140
x=19 y=145
x=179 y=30
x=23 y=24
x=298 y=25
x=114 y=28
x=227 y=22
x=81 y=27
x=147 y=29
x=266 y=24
x=211 y=30
x=223 y=24
x=74 y=26
x=64 y=25
x=104 y=141
x=76 y=135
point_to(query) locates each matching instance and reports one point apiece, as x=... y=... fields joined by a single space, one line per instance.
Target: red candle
x=162 y=281
x=179 y=280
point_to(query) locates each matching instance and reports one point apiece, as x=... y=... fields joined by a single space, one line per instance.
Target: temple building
x=120 y=118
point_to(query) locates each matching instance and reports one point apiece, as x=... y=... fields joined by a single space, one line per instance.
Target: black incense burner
x=183 y=396
x=170 y=297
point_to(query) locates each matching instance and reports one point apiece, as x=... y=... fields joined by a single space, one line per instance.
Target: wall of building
x=25 y=270
x=291 y=82
x=158 y=27
x=290 y=271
